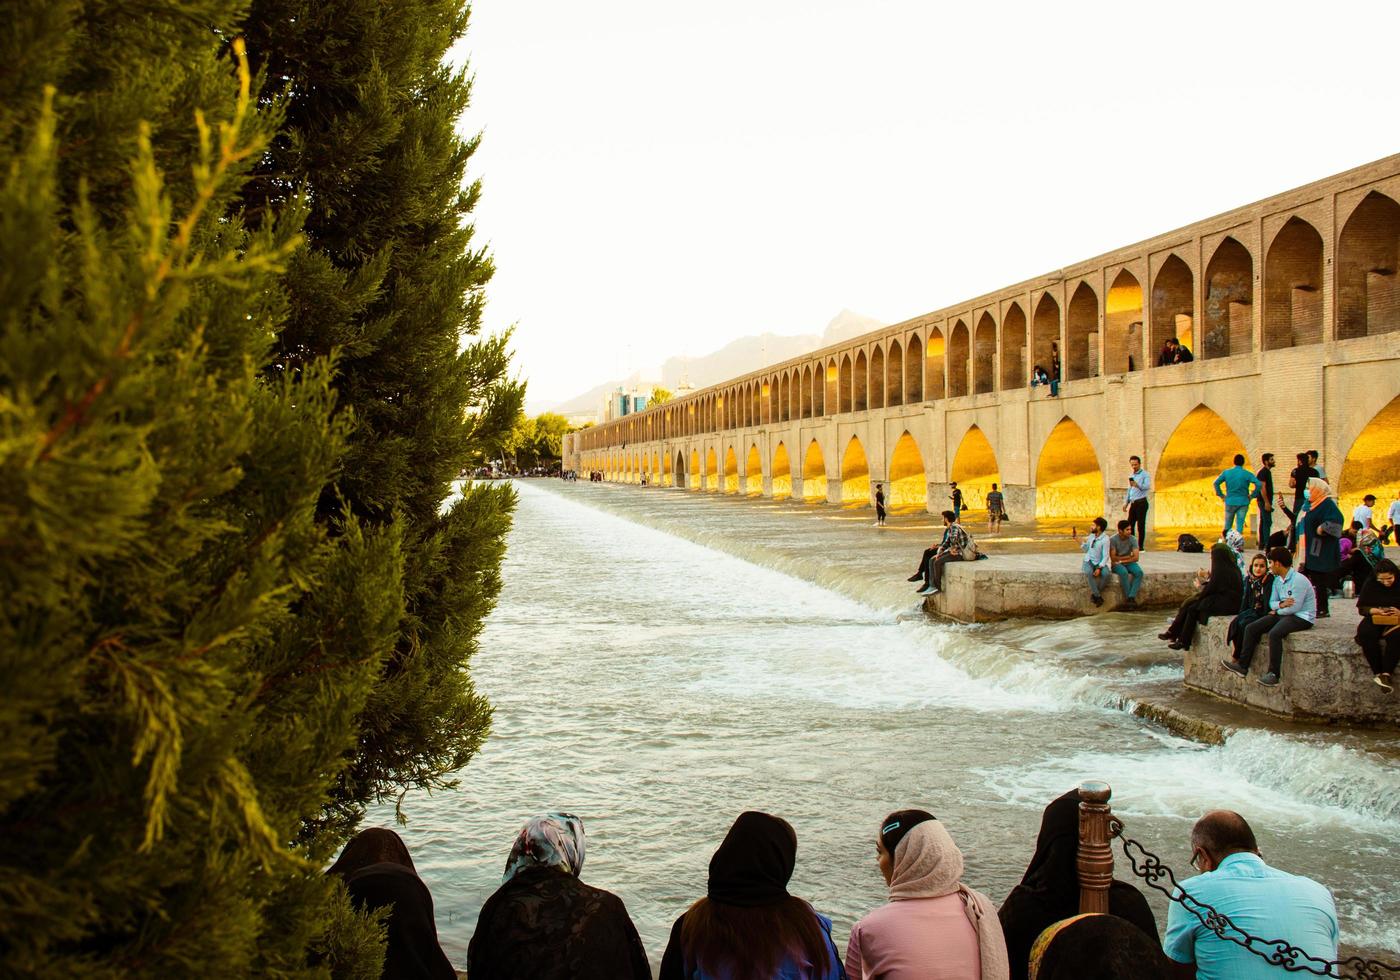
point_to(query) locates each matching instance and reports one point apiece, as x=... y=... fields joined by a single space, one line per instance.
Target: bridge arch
x=1368 y=298
x=785 y=399
x=1045 y=332
x=984 y=355
x=814 y=487
x=781 y=480
x=1372 y=463
x=975 y=467
x=1293 y=287
x=914 y=372
x=1173 y=306
x=731 y=471
x=877 y=377
x=681 y=481
x=855 y=475
x=908 y=484
x=1199 y=448
x=894 y=376
x=859 y=384
x=1228 y=319
x=959 y=350
x=753 y=472
x=936 y=355
x=1068 y=478
x=1082 y=334
x=806 y=399
x=711 y=470
x=1013 y=348
x=667 y=474
x=845 y=384
x=1122 y=309
x=822 y=380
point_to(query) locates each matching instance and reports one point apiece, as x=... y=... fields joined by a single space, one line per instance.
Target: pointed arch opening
x=711 y=471
x=1293 y=287
x=877 y=377
x=1082 y=334
x=822 y=379
x=1013 y=348
x=936 y=371
x=846 y=386
x=731 y=471
x=855 y=475
x=1372 y=464
x=1228 y=319
x=975 y=468
x=753 y=472
x=680 y=480
x=773 y=390
x=814 y=489
x=914 y=372
x=894 y=376
x=908 y=486
x=1173 y=306
x=785 y=399
x=860 y=391
x=806 y=394
x=1068 y=479
x=1122 y=314
x=1368 y=294
x=1200 y=447
x=696 y=480
x=781 y=481
x=959 y=352
x=1045 y=333
x=984 y=355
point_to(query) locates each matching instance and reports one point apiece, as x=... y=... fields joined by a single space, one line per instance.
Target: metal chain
x=1276 y=951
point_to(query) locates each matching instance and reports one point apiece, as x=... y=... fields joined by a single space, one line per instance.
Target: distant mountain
x=734 y=358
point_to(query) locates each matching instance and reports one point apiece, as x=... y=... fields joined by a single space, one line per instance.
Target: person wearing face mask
x=934 y=927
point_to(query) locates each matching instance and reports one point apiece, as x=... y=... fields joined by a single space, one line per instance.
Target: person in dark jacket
x=546 y=924
x=1380 y=642
x=1221 y=593
x=747 y=927
x=1049 y=891
x=1258 y=587
x=378 y=872
x=1322 y=534
x=1298 y=480
x=1097 y=947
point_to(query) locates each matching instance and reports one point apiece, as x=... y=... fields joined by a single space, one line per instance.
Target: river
x=660 y=661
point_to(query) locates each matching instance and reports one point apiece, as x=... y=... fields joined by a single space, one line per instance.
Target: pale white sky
x=662 y=177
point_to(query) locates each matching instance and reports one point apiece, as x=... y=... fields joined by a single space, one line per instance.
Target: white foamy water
x=660 y=662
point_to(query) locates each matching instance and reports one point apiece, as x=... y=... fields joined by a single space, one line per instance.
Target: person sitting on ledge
x=1380 y=641
x=546 y=924
x=1096 y=561
x=1123 y=553
x=1049 y=891
x=1097 y=947
x=1292 y=607
x=747 y=927
x=1258 y=899
x=1220 y=593
x=379 y=873
x=1362 y=561
x=1258 y=588
x=934 y=927
x=955 y=546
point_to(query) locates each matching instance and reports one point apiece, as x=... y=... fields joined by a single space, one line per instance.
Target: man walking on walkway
x=1135 y=503
x=1240 y=485
x=1259 y=900
x=1123 y=553
x=1265 y=476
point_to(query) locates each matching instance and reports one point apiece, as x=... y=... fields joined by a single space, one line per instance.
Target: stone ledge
x=1325 y=678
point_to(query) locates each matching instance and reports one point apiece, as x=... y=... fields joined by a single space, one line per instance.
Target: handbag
x=1385 y=620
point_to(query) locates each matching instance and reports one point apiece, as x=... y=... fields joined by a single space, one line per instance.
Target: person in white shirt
x=1096 y=560
x=1392 y=518
x=1363 y=511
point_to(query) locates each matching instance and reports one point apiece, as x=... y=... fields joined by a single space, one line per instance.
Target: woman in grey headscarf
x=544 y=923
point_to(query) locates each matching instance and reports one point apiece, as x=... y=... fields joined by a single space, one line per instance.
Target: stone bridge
x=1291 y=306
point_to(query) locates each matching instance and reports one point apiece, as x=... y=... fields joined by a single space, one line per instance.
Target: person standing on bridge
x=1054 y=369
x=1265 y=476
x=1240 y=487
x=957 y=498
x=1135 y=503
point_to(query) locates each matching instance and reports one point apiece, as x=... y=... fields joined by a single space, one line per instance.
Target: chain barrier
x=1276 y=951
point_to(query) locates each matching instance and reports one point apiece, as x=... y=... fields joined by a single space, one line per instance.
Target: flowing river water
x=660 y=661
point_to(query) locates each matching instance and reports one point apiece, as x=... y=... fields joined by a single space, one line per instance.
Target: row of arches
x=1119 y=332
x=1069 y=479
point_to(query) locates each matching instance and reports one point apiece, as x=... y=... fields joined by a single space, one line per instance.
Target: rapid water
x=661 y=661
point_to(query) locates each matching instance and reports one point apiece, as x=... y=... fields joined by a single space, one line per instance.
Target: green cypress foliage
x=391 y=280
x=229 y=605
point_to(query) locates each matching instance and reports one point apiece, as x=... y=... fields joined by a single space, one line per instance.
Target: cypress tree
x=391 y=280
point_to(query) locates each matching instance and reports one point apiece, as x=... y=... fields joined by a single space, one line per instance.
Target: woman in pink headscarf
x=934 y=927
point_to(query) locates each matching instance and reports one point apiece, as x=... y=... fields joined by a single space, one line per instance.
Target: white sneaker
x=929 y=591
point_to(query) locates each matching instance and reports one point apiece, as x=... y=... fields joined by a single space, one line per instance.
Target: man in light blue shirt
x=1095 y=548
x=1240 y=486
x=1294 y=607
x=1135 y=501
x=1258 y=899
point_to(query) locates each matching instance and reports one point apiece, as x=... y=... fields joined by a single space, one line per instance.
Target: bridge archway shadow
x=753 y=473
x=855 y=475
x=1373 y=464
x=782 y=474
x=814 y=488
x=1068 y=478
x=975 y=468
x=1201 y=446
x=908 y=486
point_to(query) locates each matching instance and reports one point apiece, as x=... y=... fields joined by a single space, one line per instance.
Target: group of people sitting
x=545 y=923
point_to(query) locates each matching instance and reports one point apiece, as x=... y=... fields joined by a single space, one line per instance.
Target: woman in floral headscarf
x=544 y=923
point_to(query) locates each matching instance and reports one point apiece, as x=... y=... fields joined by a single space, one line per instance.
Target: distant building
x=622 y=402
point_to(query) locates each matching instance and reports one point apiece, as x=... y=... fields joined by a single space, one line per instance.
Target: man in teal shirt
x=1240 y=486
x=1259 y=900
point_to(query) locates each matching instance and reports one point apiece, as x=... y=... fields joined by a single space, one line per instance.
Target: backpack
x=1189 y=543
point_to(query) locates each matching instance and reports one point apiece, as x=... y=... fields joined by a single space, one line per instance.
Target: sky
x=662 y=177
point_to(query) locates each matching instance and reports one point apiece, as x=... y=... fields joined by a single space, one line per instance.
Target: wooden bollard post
x=1095 y=852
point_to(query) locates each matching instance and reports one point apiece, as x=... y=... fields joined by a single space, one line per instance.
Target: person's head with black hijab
x=378 y=874
x=1096 y=947
x=747 y=925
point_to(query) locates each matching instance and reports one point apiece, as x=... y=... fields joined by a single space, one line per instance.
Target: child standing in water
x=879 y=505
